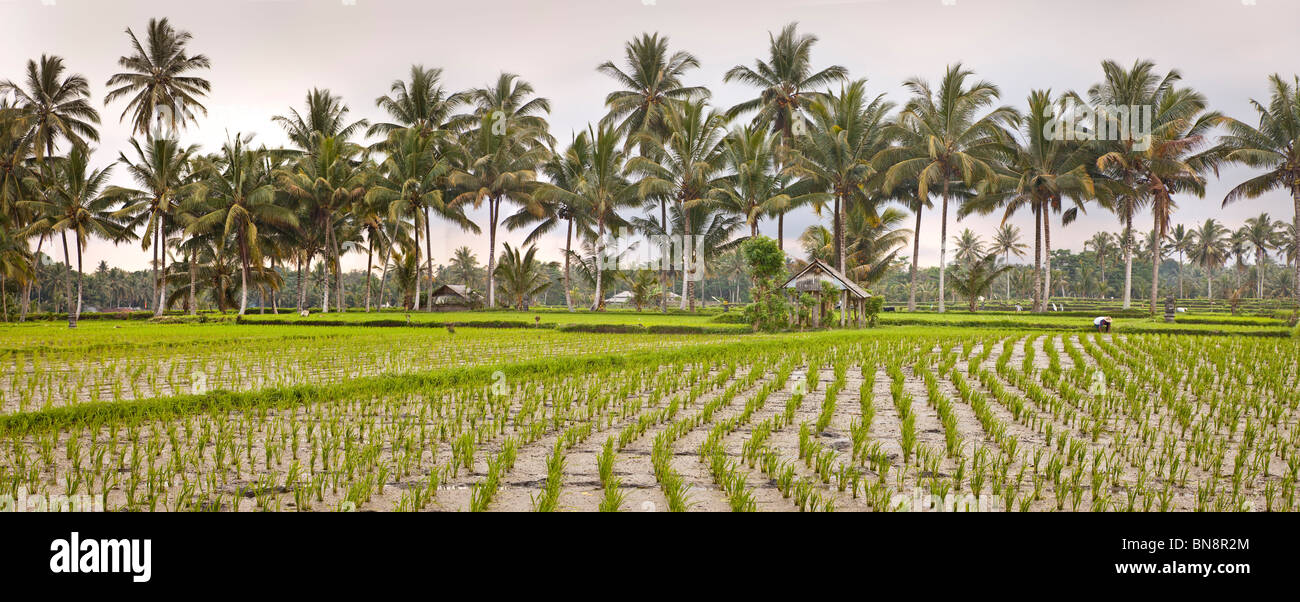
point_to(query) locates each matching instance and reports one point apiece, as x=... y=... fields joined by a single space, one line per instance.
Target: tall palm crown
x=501 y=154
x=754 y=188
x=875 y=240
x=156 y=79
x=1180 y=242
x=1006 y=241
x=1210 y=250
x=161 y=170
x=328 y=182
x=72 y=199
x=944 y=142
x=651 y=80
x=968 y=246
x=325 y=116
x=421 y=103
x=1150 y=168
x=241 y=191
x=1262 y=234
x=599 y=188
x=57 y=107
x=1039 y=170
x=787 y=84
x=684 y=167
x=848 y=131
x=1272 y=146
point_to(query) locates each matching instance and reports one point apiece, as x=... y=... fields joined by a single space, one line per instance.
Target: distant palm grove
x=246 y=226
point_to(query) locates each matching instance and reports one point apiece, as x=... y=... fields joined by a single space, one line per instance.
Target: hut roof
x=453 y=290
x=818 y=271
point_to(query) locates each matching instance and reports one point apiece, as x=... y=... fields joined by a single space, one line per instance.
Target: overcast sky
x=266 y=54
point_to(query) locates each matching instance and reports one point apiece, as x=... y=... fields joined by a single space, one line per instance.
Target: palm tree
x=1262 y=234
x=874 y=242
x=1180 y=241
x=643 y=284
x=420 y=104
x=73 y=200
x=522 y=275
x=968 y=247
x=410 y=181
x=848 y=130
x=943 y=140
x=326 y=116
x=1039 y=170
x=57 y=107
x=161 y=169
x=651 y=83
x=786 y=84
x=972 y=280
x=242 y=194
x=1006 y=240
x=597 y=189
x=1103 y=244
x=1151 y=168
x=754 y=189
x=156 y=79
x=328 y=181
x=1273 y=146
x=1209 y=250
x=502 y=155
x=463 y=267
x=684 y=167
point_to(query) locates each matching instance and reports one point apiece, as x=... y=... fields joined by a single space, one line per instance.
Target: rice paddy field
x=936 y=412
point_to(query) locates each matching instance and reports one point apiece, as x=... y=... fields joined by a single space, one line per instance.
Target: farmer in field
x=1102 y=323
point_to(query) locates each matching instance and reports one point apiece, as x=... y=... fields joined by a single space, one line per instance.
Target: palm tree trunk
x=1182 y=293
x=1006 y=260
x=598 y=304
x=1295 y=197
x=492 y=252
x=67 y=282
x=31 y=282
x=1259 y=273
x=1039 y=306
x=943 y=243
x=243 y=274
x=370 y=264
x=415 y=299
x=79 y=278
x=688 y=262
x=1155 y=259
x=568 y=245
x=338 y=267
x=1047 y=255
x=428 y=243
x=162 y=264
x=194 y=304
x=1128 y=261
x=304 y=264
x=665 y=263
x=153 y=267
x=916 y=252
x=383 y=275
x=840 y=203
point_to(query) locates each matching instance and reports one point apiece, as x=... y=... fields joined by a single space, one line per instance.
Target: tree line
x=663 y=161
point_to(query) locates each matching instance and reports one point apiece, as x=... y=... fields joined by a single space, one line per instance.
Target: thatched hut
x=852 y=297
x=453 y=297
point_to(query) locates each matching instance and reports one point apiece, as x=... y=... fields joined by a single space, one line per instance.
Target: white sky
x=266 y=54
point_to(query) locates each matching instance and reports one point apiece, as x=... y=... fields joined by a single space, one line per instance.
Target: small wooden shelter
x=852 y=297
x=453 y=297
